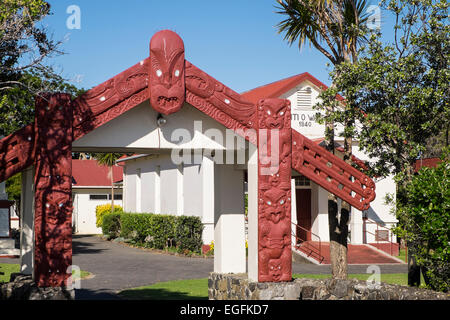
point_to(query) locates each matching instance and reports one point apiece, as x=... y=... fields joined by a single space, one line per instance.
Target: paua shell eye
x=269 y=203
x=281 y=201
x=268 y=112
x=159 y=73
x=281 y=113
x=177 y=73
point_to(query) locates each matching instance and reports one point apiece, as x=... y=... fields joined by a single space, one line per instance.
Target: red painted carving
x=98 y=101
x=53 y=190
x=16 y=152
x=274 y=190
x=166 y=72
x=331 y=173
x=110 y=114
x=220 y=96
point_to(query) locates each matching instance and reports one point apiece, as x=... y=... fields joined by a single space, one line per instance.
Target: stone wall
x=22 y=287
x=238 y=287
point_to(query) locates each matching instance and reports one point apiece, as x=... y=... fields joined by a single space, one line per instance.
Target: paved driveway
x=117 y=267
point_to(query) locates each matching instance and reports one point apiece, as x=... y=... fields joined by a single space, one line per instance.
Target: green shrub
x=188 y=233
x=104 y=209
x=111 y=224
x=151 y=230
x=424 y=218
x=162 y=231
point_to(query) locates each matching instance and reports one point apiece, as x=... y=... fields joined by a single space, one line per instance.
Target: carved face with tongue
x=166 y=74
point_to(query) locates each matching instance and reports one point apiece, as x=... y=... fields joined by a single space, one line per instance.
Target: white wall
x=303 y=121
x=143 y=135
x=168 y=188
x=188 y=189
x=303 y=116
x=229 y=232
x=83 y=216
x=4 y=214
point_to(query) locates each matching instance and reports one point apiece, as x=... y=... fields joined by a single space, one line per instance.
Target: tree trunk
x=338 y=238
x=112 y=188
x=413 y=269
x=338 y=251
x=340 y=270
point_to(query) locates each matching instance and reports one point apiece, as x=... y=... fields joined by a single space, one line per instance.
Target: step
x=9 y=252
x=7 y=243
x=298 y=255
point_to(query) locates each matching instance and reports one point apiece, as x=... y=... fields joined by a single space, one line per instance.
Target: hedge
x=156 y=230
x=111 y=225
x=104 y=209
x=188 y=232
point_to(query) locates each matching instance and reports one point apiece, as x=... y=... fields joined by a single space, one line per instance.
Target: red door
x=303 y=201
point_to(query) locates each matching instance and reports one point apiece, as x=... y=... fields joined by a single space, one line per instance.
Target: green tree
x=425 y=218
x=337 y=29
x=402 y=93
x=25 y=48
x=17 y=107
x=108 y=160
x=23 y=39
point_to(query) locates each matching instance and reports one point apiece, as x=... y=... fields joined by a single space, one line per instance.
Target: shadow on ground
x=157 y=294
x=80 y=247
x=86 y=294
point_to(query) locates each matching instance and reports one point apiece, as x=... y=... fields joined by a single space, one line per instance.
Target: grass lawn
x=392 y=278
x=195 y=289
x=198 y=288
x=402 y=254
x=6 y=270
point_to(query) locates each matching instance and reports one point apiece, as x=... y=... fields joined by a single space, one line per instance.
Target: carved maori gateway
x=168 y=80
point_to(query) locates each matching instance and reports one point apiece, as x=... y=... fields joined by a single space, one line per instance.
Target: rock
x=23 y=287
x=308 y=293
x=237 y=286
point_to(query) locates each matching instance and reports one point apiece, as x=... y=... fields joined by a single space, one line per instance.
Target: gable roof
x=88 y=173
x=277 y=88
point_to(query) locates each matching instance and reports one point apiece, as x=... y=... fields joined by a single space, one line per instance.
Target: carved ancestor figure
x=274 y=127
x=53 y=183
x=166 y=72
x=274 y=190
x=275 y=235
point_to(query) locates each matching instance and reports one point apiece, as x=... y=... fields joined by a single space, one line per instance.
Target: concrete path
x=356 y=254
x=117 y=267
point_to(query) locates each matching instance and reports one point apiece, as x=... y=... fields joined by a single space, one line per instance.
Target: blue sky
x=234 y=41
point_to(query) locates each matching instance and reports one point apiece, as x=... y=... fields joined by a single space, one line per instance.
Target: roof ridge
x=268 y=84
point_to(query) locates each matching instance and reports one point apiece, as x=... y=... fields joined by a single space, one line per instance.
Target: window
x=116 y=197
x=304 y=98
x=98 y=197
x=302 y=181
x=381 y=235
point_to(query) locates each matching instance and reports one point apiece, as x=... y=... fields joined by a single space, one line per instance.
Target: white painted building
x=91 y=186
x=154 y=183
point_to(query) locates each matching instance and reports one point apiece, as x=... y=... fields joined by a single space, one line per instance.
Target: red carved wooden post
x=53 y=190
x=274 y=190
